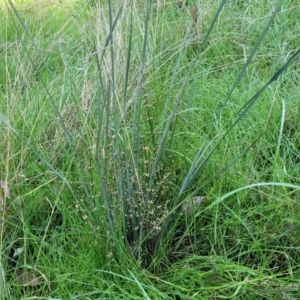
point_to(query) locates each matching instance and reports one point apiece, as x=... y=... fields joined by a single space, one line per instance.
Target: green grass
x=110 y=129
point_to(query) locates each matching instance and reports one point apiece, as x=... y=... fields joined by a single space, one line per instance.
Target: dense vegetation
x=149 y=150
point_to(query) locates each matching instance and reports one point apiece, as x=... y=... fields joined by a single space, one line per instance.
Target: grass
x=115 y=116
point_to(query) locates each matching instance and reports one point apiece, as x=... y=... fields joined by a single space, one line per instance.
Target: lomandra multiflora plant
x=131 y=179
x=139 y=180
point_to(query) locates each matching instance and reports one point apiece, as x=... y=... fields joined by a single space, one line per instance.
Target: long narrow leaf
x=195 y=170
x=253 y=52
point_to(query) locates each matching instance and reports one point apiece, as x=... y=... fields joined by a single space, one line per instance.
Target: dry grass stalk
x=160 y=4
x=196 y=20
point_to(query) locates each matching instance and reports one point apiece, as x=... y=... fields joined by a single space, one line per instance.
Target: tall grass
x=116 y=119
